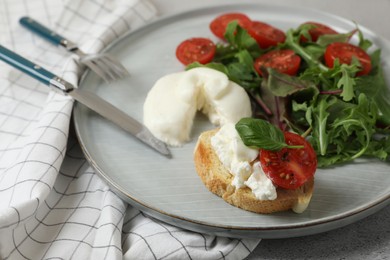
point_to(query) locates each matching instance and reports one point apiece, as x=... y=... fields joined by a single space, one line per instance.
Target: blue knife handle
x=26 y=66
x=41 y=30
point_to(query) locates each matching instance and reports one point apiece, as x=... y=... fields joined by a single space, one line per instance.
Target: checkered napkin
x=52 y=204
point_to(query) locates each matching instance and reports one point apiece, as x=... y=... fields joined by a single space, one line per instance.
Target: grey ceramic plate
x=169 y=189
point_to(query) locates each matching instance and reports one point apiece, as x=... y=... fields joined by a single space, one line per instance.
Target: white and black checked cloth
x=52 y=204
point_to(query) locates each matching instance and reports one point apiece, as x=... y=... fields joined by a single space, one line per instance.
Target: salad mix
x=310 y=80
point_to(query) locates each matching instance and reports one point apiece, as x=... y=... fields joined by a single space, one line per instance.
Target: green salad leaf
x=283 y=85
x=261 y=134
x=344 y=116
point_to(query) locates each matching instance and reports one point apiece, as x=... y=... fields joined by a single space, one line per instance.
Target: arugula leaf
x=347 y=80
x=238 y=37
x=374 y=86
x=245 y=58
x=302 y=113
x=379 y=147
x=261 y=134
x=303 y=30
x=315 y=51
x=320 y=121
x=293 y=42
x=350 y=130
x=239 y=72
x=365 y=44
x=326 y=39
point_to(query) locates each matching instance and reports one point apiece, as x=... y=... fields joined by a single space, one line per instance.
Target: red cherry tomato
x=266 y=35
x=219 y=24
x=290 y=168
x=201 y=50
x=284 y=61
x=318 y=30
x=344 y=53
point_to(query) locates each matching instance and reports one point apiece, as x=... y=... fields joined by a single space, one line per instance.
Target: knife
x=89 y=99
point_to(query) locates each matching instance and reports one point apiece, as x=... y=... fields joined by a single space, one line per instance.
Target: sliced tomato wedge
x=219 y=24
x=201 y=50
x=290 y=168
x=284 y=61
x=344 y=52
x=266 y=35
x=318 y=30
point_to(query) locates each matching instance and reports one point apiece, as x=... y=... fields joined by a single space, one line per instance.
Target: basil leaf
x=261 y=134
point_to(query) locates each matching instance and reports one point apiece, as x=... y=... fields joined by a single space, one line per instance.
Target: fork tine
x=117 y=65
x=105 y=66
x=111 y=67
x=103 y=70
x=111 y=75
x=97 y=69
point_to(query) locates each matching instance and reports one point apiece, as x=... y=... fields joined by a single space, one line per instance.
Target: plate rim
x=271 y=232
x=200 y=226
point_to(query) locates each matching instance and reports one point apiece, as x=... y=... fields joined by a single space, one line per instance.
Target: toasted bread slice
x=218 y=180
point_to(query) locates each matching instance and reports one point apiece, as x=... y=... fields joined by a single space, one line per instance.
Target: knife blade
x=89 y=99
x=119 y=118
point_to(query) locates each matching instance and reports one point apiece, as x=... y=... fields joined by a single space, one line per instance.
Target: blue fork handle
x=41 y=30
x=26 y=66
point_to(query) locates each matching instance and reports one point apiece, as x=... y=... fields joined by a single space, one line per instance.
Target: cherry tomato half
x=201 y=50
x=318 y=30
x=284 y=61
x=219 y=24
x=290 y=168
x=266 y=35
x=344 y=53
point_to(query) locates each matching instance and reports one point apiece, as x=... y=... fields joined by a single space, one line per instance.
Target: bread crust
x=218 y=180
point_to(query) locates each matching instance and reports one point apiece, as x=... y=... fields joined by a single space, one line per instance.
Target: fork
x=105 y=66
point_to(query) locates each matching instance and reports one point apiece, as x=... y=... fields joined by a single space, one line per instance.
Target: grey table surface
x=368 y=238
